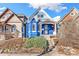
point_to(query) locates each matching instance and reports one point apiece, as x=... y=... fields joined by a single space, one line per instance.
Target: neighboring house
x=68 y=17
x=11 y=24
x=73 y=14
x=39 y=24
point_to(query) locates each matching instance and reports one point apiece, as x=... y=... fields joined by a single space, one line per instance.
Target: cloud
x=2 y=8
x=57 y=7
x=57 y=18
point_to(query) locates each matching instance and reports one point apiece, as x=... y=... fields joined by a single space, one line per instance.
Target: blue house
x=39 y=24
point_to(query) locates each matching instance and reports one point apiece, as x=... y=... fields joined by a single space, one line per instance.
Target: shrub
x=36 y=42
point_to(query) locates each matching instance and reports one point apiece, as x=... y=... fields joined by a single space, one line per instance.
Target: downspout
x=24 y=30
x=24 y=27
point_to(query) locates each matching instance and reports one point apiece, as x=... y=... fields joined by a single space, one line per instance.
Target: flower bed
x=29 y=45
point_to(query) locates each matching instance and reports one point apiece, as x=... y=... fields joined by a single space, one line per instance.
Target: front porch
x=48 y=28
x=7 y=31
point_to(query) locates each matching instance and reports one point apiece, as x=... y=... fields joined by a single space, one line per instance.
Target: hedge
x=36 y=42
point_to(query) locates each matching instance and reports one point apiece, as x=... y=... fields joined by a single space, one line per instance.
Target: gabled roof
x=67 y=14
x=3 y=12
x=37 y=11
x=46 y=14
x=9 y=16
x=22 y=16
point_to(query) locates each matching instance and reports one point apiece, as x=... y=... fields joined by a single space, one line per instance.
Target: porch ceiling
x=48 y=22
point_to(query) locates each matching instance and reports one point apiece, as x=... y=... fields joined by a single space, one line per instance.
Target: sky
x=54 y=10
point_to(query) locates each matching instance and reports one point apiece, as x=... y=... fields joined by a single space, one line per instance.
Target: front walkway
x=52 y=40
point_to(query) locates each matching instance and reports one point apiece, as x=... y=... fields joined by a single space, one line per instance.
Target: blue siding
x=31 y=33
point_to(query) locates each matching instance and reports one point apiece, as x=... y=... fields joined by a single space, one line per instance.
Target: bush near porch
x=36 y=42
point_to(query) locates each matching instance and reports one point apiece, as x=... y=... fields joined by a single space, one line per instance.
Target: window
x=72 y=14
x=14 y=28
x=38 y=16
x=34 y=27
x=7 y=29
x=41 y=16
x=6 y=16
x=3 y=17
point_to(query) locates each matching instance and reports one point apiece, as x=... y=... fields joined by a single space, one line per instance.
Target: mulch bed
x=15 y=46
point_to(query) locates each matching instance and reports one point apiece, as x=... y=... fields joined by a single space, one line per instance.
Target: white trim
x=46 y=14
x=35 y=27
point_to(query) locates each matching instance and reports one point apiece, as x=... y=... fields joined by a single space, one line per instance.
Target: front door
x=44 y=29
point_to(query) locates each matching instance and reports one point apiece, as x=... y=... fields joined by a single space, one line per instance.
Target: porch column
x=40 y=28
x=55 y=30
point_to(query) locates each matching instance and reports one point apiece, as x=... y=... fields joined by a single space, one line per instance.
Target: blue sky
x=52 y=9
